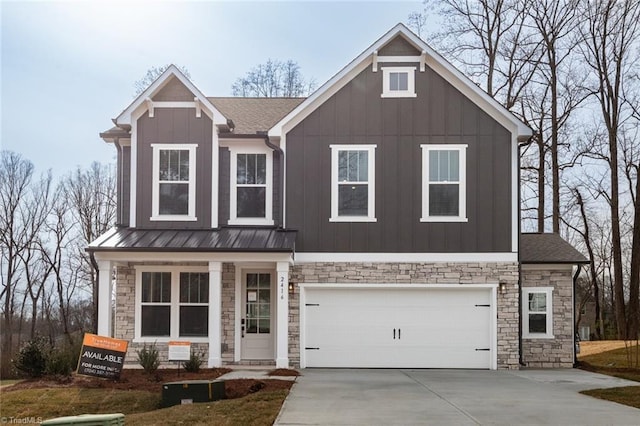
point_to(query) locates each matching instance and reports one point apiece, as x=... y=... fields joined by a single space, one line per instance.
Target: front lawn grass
x=140 y=407
x=614 y=363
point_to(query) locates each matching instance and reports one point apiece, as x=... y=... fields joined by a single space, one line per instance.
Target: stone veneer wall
x=556 y=352
x=417 y=273
x=125 y=316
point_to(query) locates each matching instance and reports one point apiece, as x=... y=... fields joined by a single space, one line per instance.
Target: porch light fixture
x=291 y=287
x=503 y=287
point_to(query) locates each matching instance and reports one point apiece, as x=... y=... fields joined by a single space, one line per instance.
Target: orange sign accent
x=102 y=342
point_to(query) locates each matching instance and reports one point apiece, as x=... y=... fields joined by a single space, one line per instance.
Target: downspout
x=94 y=263
x=573 y=316
x=281 y=174
x=520 y=360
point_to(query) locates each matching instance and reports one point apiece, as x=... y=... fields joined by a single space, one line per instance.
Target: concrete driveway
x=452 y=397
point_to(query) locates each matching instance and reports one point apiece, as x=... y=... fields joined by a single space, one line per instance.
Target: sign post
x=102 y=356
x=179 y=351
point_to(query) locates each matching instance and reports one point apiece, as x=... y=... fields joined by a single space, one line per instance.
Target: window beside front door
x=171 y=302
x=173 y=191
x=251 y=187
x=537 y=312
x=443 y=183
x=352 y=183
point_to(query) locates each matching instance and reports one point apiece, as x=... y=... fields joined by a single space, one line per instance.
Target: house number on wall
x=281 y=288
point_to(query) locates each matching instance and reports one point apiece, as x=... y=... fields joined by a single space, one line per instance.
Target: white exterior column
x=282 y=321
x=215 y=314
x=105 y=289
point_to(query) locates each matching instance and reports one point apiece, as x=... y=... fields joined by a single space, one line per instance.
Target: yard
x=612 y=358
x=138 y=396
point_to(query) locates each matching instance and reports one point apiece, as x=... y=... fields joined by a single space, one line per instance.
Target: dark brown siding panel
x=174 y=90
x=174 y=126
x=224 y=186
x=398 y=47
x=277 y=199
x=125 y=185
x=439 y=114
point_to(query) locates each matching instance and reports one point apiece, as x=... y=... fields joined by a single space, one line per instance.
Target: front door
x=257 y=315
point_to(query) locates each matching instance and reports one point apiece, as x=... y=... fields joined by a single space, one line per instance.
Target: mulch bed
x=139 y=380
x=284 y=372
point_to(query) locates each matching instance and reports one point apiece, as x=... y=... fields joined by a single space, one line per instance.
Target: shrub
x=149 y=358
x=194 y=363
x=32 y=358
x=63 y=361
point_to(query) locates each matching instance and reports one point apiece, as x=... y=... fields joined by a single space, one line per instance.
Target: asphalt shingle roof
x=548 y=248
x=252 y=115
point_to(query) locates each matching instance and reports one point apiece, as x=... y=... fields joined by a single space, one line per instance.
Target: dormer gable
x=171 y=83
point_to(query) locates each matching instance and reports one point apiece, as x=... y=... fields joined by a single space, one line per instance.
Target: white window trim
x=371 y=208
x=462 y=193
x=155 y=192
x=233 y=202
x=548 y=291
x=411 y=83
x=175 y=303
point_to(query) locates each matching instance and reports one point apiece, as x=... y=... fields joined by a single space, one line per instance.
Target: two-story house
x=373 y=224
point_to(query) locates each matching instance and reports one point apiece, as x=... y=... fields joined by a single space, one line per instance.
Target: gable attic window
x=444 y=183
x=353 y=183
x=251 y=174
x=174 y=188
x=398 y=82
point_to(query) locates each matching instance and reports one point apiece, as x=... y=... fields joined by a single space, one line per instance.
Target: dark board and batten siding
x=174 y=126
x=439 y=114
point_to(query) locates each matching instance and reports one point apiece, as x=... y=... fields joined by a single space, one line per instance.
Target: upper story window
x=353 y=183
x=398 y=82
x=251 y=187
x=537 y=312
x=174 y=187
x=444 y=183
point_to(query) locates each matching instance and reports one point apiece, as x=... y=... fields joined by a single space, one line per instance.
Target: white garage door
x=383 y=327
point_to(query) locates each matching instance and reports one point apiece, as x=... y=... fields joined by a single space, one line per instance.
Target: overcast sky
x=68 y=67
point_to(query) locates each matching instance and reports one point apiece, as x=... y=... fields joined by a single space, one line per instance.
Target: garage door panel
x=402 y=328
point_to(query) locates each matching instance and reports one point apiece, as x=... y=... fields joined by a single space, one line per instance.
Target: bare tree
x=609 y=36
x=91 y=197
x=274 y=78
x=152 y=75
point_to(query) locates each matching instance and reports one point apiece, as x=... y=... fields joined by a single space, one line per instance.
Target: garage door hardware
x=483 y=306
x=312 y=349
x=399 y=335
x=311 y=304
x=482 y=349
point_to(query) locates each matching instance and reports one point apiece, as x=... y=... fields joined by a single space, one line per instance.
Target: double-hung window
x=398 y=82
x=174 y=187
x=537 y=312
x=353 y=183
x=444 y=183
x=251 y=187
x=171 y=302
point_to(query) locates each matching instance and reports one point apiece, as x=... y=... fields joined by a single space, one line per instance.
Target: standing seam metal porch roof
x=198 y=240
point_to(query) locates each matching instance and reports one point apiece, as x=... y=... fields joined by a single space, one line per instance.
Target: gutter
x=573 y=315
x=281 y=174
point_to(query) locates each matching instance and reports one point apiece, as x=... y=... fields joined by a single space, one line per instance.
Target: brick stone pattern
x=228 y=311
x=418 y=273
x=556 y=352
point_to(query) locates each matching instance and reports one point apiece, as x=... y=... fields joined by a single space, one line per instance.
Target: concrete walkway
x=253 y=374
x=452 y=397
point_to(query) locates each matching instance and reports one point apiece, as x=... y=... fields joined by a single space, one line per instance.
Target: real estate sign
x=102 y=356
x=179 y=351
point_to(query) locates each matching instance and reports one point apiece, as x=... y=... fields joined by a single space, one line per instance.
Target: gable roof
x=253 y=115
x=172 y=71
x=548 y=248
x=433 y=60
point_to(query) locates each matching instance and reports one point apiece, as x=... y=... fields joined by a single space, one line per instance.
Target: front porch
x=233 y=307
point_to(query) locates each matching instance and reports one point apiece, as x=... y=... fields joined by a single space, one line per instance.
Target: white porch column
x=215 y=314
x=105 y=289
x=282 y=327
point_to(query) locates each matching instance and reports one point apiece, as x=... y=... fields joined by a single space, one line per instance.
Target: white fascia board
x=175 y=257
x=125 y=116
x=434 y=60
x=307 y=257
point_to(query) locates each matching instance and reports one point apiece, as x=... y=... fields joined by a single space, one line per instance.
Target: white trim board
x=308 y=257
